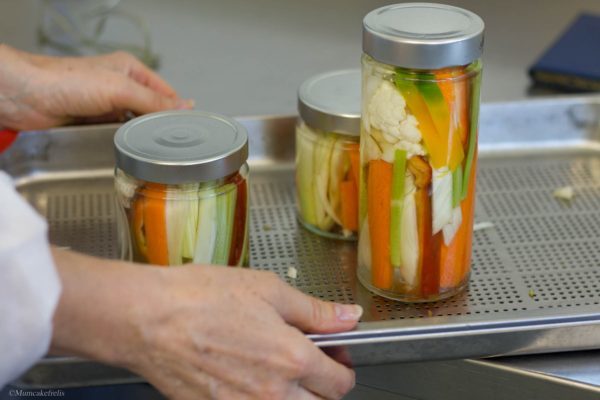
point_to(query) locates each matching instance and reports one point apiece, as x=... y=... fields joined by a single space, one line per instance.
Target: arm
x=39 y=92
x=192 y=331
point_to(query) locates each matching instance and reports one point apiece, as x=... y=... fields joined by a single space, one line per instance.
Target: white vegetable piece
x=409 y=234
x=207 y=229
x=292 y=272
x=386 y=110
x=442 y=199
x=450 y=229
x=176 y=217
x=479 y=226
x=564 y=193
x=364 y=245
x=391 y=126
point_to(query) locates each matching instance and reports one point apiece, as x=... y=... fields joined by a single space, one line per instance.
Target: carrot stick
x=470 y=217
x=454 y=88
x=354 y=155
x=239 y=222
x=155 y=224
x=379 y=188
x=349 y=202
x=456 y=258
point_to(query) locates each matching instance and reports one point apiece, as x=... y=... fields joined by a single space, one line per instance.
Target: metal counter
x=535 y=283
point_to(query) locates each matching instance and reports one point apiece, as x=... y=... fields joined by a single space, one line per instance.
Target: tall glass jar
x=181 y=186
x=421 y=75
x=327 y=154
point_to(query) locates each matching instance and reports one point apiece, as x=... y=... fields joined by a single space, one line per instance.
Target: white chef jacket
x=29 y=284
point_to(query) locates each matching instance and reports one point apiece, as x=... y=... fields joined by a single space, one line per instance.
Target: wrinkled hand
x=202 y=332
x=39 y=92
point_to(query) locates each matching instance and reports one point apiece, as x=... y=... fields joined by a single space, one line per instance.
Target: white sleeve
x=29 y=284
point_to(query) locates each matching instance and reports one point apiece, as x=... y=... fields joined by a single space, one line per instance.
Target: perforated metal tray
x=535 y=283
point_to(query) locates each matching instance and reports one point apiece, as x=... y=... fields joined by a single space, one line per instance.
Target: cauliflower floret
x=387 y=109
x=392 y=126
x=410 y=130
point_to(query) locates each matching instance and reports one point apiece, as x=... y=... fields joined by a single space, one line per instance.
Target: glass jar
x=181 y=187
x=421 y=75
x=327 y=154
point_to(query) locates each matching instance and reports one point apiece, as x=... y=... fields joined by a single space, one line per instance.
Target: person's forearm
x=95 y=317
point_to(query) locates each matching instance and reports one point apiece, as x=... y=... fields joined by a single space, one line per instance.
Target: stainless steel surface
x=181 y=146
x=331 y=101
x=581 y=367
x=423 y=35
x=473 y=379
x=535 y=274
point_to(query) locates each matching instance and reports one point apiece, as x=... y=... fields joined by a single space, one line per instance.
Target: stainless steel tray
x=535 y=284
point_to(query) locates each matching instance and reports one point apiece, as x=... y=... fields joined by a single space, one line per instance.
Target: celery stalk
x=305 y=149
x=224 y=222
x=398 y=174
x=410 y=235
x=191 y=223
x=442 y=199
x=176 y=217
x=207 y=228
x=457 y=177
x=472 y=134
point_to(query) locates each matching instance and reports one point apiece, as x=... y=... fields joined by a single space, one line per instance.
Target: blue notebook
x=573 y=61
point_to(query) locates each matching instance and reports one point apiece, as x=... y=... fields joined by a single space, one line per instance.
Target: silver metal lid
x=181 y=146
x=423 y=35
x=331 y=101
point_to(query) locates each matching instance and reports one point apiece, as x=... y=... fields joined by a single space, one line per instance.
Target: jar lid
x=331 y=101
x=181 y=146
x=423 y=35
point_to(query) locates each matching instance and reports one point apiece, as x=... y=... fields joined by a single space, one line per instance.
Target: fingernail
x=348 y=312
x=185 y=104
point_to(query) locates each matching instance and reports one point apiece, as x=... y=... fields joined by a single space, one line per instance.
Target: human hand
x=201 y=332
x=38 y=92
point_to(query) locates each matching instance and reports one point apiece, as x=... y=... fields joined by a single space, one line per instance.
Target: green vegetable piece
x=398 y=175
x=191 y=222
x=225 y=212
x=473 y=133
x=207 y=226
x=457 y=177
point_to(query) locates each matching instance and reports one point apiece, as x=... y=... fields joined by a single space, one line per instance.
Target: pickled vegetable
x=327 y=182
x=176 y=224
x=418 y=161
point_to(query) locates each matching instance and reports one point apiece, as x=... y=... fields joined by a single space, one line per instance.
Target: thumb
x=312 y=315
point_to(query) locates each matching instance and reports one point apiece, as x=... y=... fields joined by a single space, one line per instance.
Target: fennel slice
x=207 y=228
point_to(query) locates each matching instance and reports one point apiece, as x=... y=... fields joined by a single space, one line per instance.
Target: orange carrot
x=155 y=224
x=427 y=244
x=379 y=192
x=349 y=202
x=354 y=155
x=471 y=197
x=455 y=259
x=454 y=88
